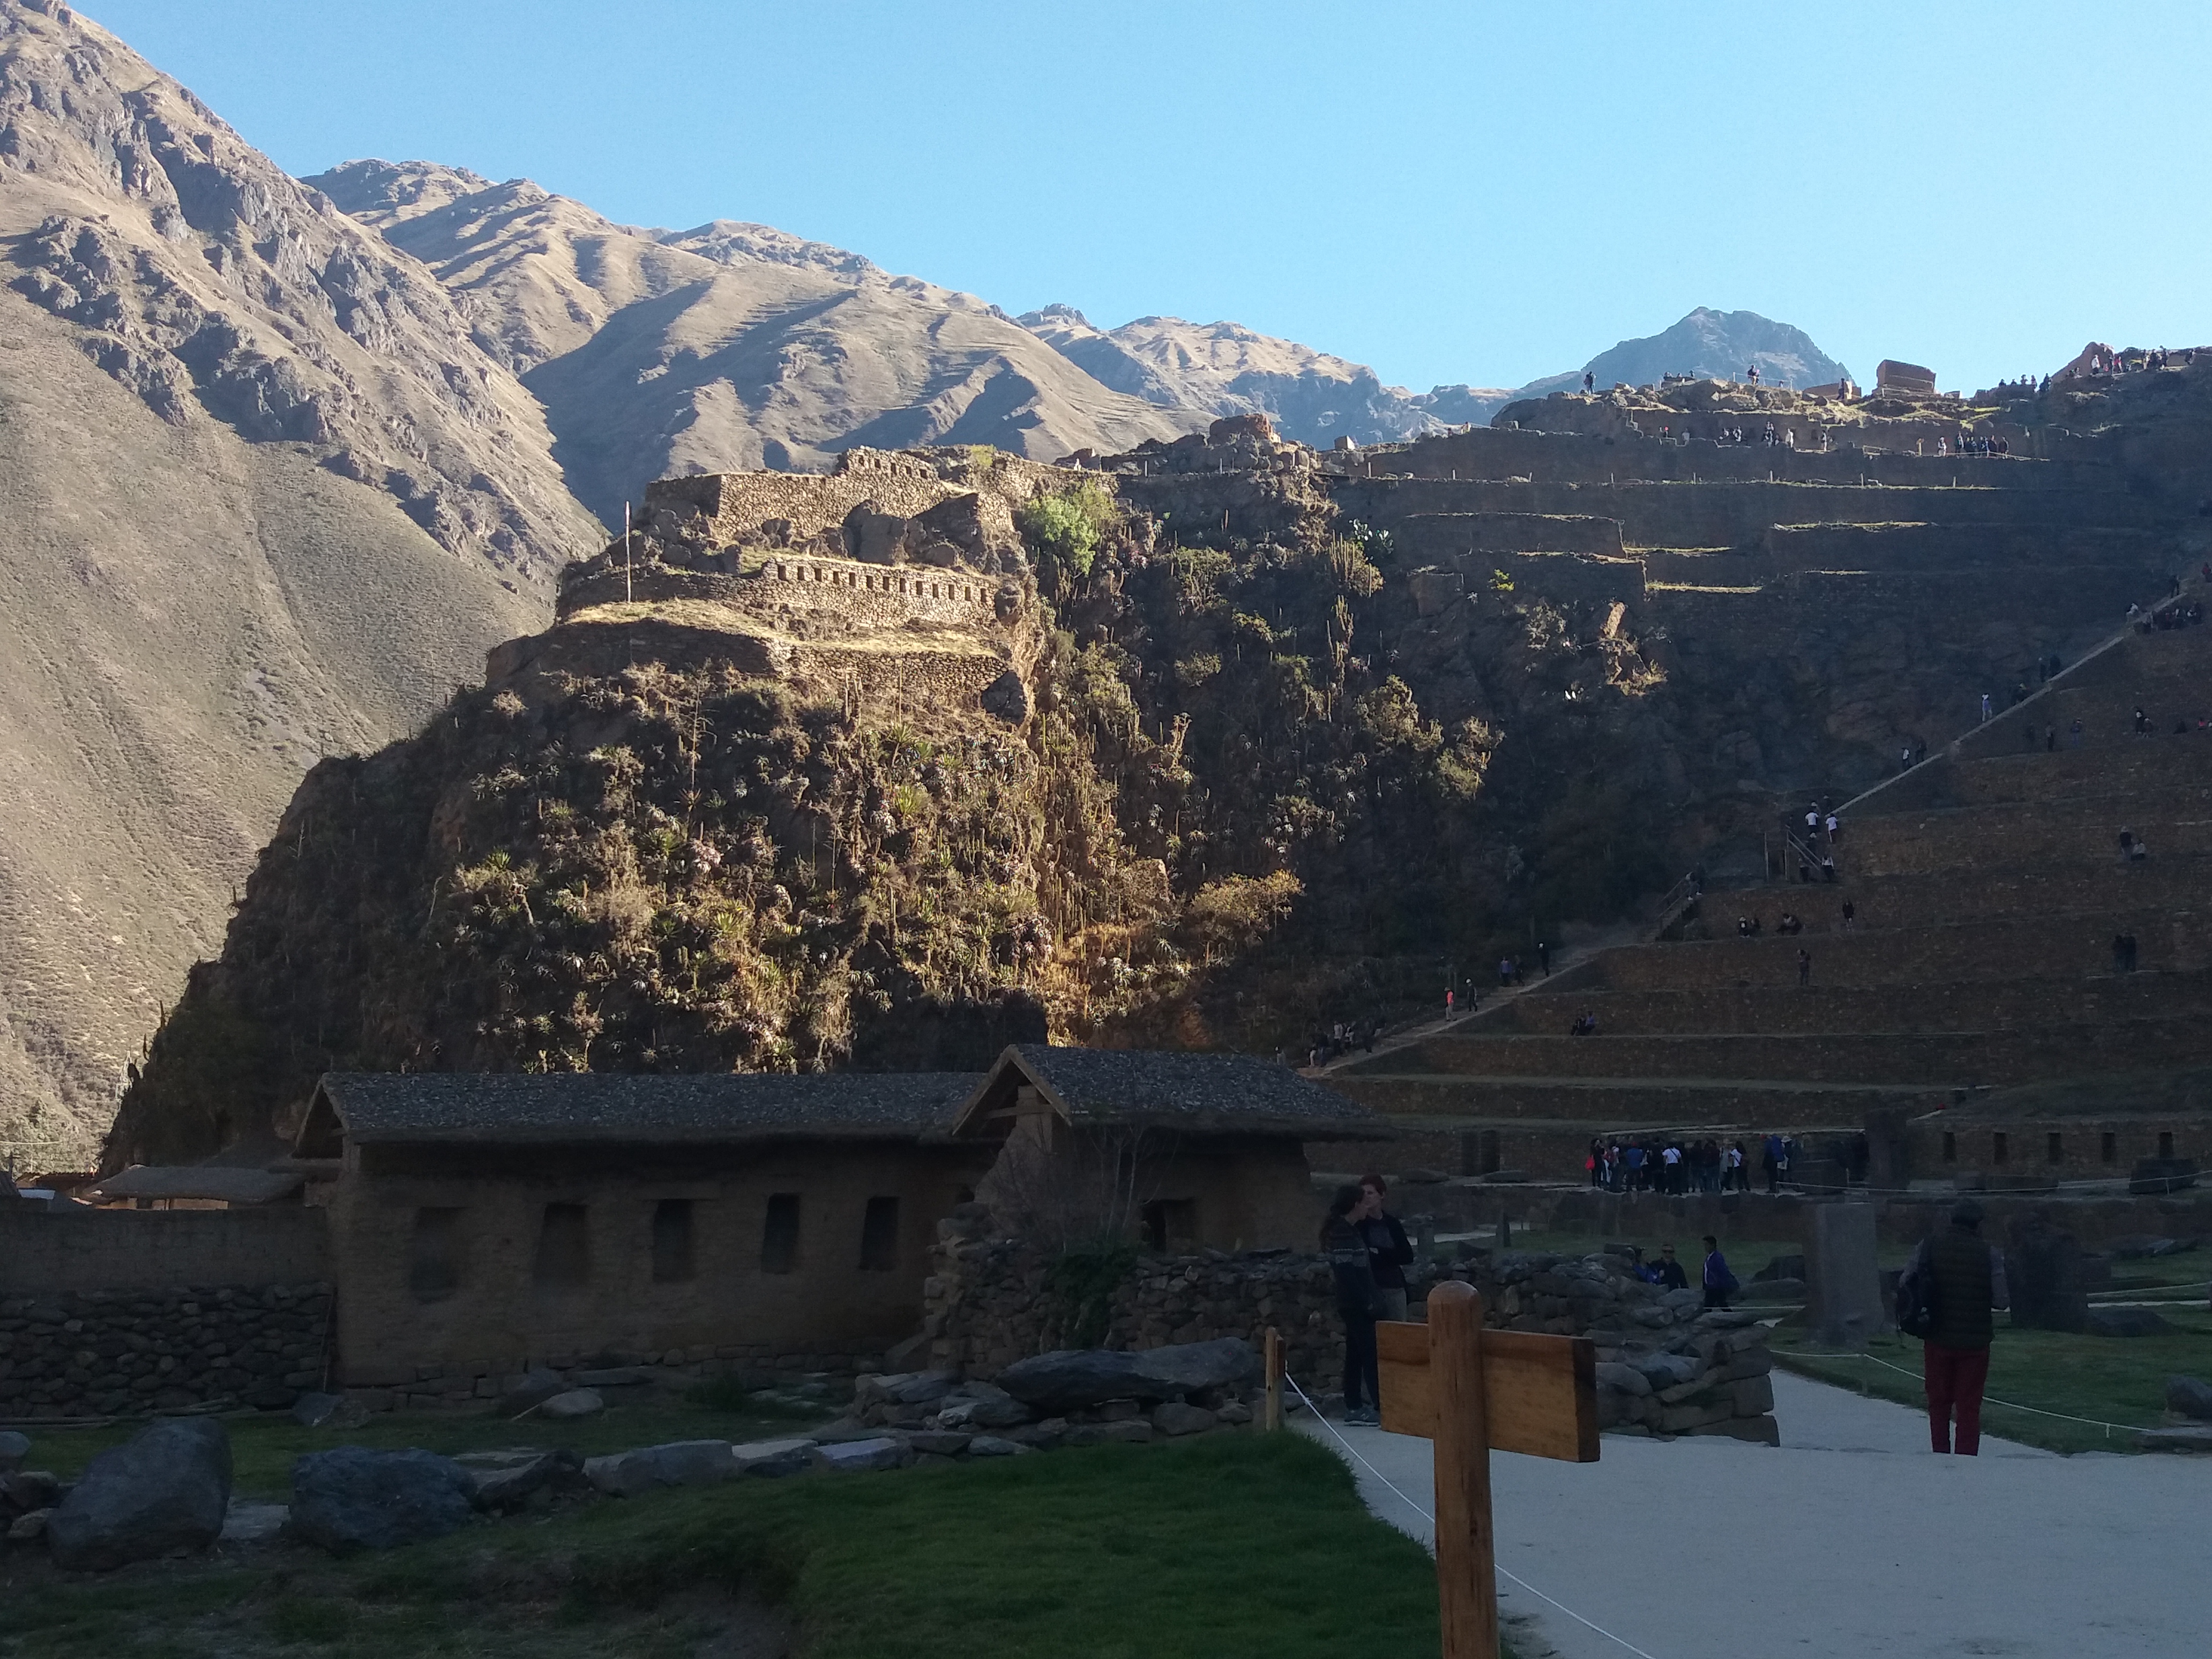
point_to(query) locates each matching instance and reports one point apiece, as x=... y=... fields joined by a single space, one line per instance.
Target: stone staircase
x=1988 y=886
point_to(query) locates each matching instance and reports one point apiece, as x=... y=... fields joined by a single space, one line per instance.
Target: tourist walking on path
x=1965 y=1279
x=1357 y=1304
x=1719 y=1281
x=1388 y=1252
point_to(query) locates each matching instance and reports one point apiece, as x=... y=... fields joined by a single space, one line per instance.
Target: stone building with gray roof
x=480 y=1222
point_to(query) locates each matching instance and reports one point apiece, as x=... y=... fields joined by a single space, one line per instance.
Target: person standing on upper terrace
x=1590 y=384
x=1985 y=705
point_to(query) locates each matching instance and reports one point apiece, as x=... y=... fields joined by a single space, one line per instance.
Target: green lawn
x=1222 y=1546
x=2111 y=1379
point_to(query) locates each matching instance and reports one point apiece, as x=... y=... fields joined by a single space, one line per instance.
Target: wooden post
x=1271 y=1415
x=1466 y=1567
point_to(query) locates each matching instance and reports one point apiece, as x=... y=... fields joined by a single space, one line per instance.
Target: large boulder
x=2191 y=1396
x=164 y=1490
x=1070 y=1379
x=677 y=1463
x=353 y=1498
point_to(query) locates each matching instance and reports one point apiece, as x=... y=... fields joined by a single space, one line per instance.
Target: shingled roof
x=516 y=1108
x=1189 y=1093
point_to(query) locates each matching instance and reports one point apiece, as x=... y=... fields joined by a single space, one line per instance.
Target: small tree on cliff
x=1064 y=530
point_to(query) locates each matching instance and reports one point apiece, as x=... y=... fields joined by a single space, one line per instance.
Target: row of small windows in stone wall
x=864 y=579
x=565 y=1251
x=2057 y=1145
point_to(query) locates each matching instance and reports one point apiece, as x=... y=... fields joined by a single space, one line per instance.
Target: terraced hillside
x=1988 y=886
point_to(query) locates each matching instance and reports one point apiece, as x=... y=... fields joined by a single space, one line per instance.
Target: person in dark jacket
x=1346 y=1248
x=1666 y=1273
x=1965 y=1280
x=1719 y=1282
x=1388 y=1251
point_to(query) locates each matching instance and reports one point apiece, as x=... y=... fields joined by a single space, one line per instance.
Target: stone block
x=574 y=1402
x=2043 y=1272
x=990 y=1445
x=881 y=1453
x=2124 y=1321
x=1753 y=1397
x=351 y=1497
x=14 y=1447
x=1843 y=1283
x=2190 y=1397
x=939 y=1442
x=165 y=1489
x=2193 y=1438
x=1681 y=1419
x=1174 y=1418
x=1135 y=1432
x=773 y=1459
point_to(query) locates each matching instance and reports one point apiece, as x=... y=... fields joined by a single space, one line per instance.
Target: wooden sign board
x=1540 y=1392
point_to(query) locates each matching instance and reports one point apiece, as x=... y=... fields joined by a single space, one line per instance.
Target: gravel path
x=1852 y=1540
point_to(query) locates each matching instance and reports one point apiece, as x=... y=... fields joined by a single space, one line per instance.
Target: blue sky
x=1483 y=193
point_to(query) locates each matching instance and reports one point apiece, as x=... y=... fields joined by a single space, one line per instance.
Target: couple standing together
x=1368 y=1254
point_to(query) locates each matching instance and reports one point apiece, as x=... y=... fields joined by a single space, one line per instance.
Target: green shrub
x=1069 y=527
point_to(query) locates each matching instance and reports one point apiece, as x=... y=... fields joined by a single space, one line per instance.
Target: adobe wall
x=114 y=1353
x=496 y=1316
x=43 y=1253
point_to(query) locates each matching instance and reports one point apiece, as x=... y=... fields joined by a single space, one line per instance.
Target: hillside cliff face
x=261 y=499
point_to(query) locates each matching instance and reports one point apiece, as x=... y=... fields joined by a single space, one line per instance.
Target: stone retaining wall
x=79 y=1354
x=1666 y=1365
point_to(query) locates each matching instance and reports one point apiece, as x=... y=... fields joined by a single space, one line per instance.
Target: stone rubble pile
x=1666 y=1365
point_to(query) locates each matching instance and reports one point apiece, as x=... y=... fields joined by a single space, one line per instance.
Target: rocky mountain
x=729 y=345
x=262 y=498
x=1709 y=345
x=1225 y=368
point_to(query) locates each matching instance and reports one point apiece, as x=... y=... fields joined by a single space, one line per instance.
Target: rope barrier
x=1987 y=1400
x=1352 y=1452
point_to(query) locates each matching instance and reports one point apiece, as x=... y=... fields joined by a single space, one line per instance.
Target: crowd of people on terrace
x=1676 y=1164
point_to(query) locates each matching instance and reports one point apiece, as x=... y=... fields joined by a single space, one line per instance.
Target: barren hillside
x=731 y=345
x=1225 y=368
x=261 y=499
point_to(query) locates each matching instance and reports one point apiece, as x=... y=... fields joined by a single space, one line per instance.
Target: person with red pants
x=1965 y=1281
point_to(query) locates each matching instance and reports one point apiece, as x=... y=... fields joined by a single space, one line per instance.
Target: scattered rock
x=312 y=1411
x=14 y=1449
x=167 y=1488
x=844 y=1428
x=990 y=1445
x=2190 y=1395
x=2126 y=1321
x=30 y=1489
x=1233 y=1412
x=351 y=1497
x=534 y=1387
x=1135 y=1432
x=773 y=1458
x=249 y=1523
x=504 y=1480
x=1070 y=1379
x=939 y=1443
x=574 y=1402
x=1174 y=1418
x=675 y=1463
x=881 y=1453
x=2195 y=1437
x=1626 y=1378
x=30 y=1528
x=980 y=1405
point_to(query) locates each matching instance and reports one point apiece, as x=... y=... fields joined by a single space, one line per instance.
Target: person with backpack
x=1720 y=1283
x=1357 y=1302
x=1944 y=1298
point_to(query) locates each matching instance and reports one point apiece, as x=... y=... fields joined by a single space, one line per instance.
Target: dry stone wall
x=1666 y=1365
x=110 y=1353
